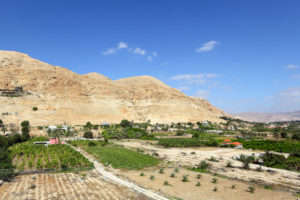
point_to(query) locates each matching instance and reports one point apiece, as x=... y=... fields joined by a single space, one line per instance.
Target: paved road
x=99 y=167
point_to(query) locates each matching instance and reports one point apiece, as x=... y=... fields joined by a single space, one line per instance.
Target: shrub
x=92 y=144
x=172 y=175
x=185 y=178
x=166 y=183
x=161 y=170
x=233 y=186
x=213 y=159
x=251 y=189
x=268 y=187
x=152 y=177
x=88 y=134
x=125 y=123
x=229 y=164
x=214 y=180
x=176 y=170
x=215 y=189
x=35 y=108
x=32 y=186
x=204 y=165
x=142 y=174
x=199 y=176
x=198 y=184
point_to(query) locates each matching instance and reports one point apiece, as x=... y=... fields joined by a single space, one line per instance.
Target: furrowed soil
x=64 y=186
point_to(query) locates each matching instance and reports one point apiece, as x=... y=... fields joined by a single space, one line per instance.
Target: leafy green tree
x=283 y=134
x=25 y=129
x=296 y=136
x=125 y=123
x=88 y=134
x=89 y=125
x=1 y=123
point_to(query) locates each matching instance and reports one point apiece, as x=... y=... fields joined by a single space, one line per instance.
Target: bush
x=214 y=180
x=185 y=178
x=229 y=164
x=92 y=144
x=125 y=123
x=35 y=108
x=251 y=189
x=203 y=165
x=88 y=134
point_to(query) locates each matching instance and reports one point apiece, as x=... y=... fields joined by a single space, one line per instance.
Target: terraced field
x=84 y=186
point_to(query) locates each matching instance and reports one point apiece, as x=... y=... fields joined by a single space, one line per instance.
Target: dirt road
x=108 y=175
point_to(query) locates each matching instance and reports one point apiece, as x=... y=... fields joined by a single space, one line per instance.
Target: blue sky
x=241 y=55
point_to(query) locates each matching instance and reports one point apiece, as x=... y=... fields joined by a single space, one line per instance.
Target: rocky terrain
x=269 y=117
x=63 y=96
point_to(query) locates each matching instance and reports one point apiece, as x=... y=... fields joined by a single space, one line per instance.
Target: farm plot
x=82 y=186
x=117 y=156
x=27 y=156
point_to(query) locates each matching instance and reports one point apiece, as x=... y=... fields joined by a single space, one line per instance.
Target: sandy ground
x=184 y=157
x=189 y=190
x=64 y=186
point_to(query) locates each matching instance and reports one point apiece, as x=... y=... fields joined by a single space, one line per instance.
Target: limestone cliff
x=63 y=96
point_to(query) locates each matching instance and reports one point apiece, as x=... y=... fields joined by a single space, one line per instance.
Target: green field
x=116 y=156
x=271 y=145
x=28 y=156
x=186 y=142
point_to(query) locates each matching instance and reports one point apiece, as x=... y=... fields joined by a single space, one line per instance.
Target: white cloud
x=191 y=77
x=150 y=58
x=183 y=88
x=208 y=46
x=109 y=51
x=291 y=66
x=154 y=54
x=139 y=51
x=121 y=45
x=202 y=93
x=296 y=77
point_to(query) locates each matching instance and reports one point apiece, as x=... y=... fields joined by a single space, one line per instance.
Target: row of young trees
x=6 y=167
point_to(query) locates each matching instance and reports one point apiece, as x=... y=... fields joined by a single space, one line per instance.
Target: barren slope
x=63 y=96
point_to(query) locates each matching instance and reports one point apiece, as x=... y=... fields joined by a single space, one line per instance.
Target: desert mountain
x=63 y=96
x=269 y=117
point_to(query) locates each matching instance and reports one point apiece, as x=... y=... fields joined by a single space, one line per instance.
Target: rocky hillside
x=63 y=96
x=269 y=117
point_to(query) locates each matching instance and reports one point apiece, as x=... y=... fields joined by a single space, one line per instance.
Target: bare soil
x=189 y=190
x=64 y=186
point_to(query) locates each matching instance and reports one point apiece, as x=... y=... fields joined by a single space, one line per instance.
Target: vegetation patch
x=186 y=142
x=121 y=158
x=28 y=156
x=271 y=145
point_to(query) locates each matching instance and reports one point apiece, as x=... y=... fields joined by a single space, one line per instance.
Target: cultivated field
x=205 y=191
x=82 y=186
x=27 y=156
x=191 y=157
